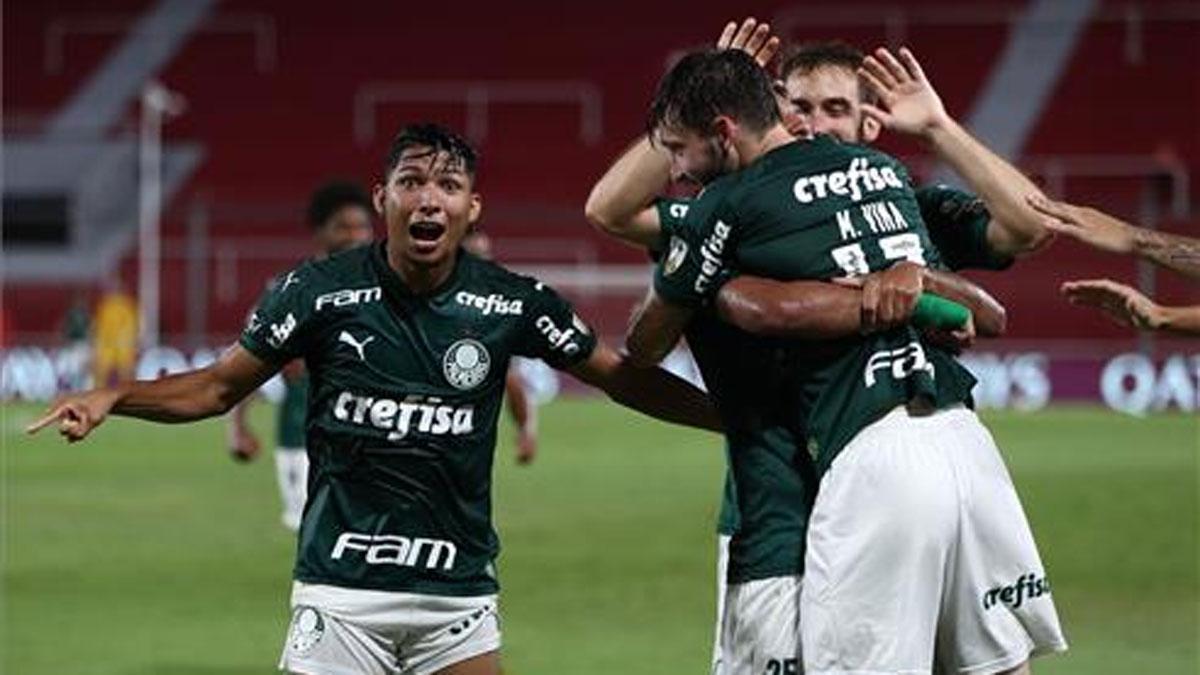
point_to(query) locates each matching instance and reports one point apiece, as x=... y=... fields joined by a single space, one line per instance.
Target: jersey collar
x=395 y=287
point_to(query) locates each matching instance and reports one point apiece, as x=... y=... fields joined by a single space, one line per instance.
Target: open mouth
x=426 y=232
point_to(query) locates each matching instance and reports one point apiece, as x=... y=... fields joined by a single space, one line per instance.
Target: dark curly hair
x=705 y=84
x=331 y=197
x=434 y=136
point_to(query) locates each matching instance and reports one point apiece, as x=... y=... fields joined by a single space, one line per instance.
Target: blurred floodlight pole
x=157 y=102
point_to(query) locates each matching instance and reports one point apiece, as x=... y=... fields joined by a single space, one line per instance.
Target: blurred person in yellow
x=114 y=336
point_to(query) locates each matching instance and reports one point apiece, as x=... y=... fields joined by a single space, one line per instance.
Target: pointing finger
x=46 y=420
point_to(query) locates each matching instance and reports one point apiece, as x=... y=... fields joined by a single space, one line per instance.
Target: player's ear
x=378 y=194
x=869 y=129
x=476 y=208
x=724 y=127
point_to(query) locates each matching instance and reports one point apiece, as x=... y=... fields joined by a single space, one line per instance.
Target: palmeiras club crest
x=466 y=364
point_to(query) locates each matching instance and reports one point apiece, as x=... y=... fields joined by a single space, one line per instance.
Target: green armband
x=934 y=311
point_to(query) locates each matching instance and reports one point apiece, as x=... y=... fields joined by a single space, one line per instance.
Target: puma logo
x=358 y=346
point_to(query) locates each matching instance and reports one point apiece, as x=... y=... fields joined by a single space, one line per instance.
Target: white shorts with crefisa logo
x=349 y=631
x=919 y=555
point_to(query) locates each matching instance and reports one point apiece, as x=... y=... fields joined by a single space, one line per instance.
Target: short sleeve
x=554 y=333
x=698 y=254
x=671 y=214
x=958 y=223
x=275 y=331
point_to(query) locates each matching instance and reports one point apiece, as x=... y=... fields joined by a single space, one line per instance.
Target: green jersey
x=405 y=392
x=957 y=222
x=819 y=210
x=293 y=411
x=727 y=517
x=293 y=408
x=769 y=486
x=758 y=403
x=76 y=325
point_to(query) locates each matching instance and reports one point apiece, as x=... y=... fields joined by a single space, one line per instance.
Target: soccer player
x=834 y=89
x=758 y=616
x=1120 y=302
x=339 y=215
x=918 y=551
x=407 y=343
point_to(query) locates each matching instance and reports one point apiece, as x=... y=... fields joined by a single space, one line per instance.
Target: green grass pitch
x=146 y=551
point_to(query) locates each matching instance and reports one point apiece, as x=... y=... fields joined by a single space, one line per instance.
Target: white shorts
x=722 y=573
x=919 y=553
x=760 y=630
x=347 y=631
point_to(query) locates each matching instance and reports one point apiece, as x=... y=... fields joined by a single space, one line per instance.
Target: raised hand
x=77 y=415
x=1090 y=226
x=908 y=103
x=752 y=37
x=1123 y=304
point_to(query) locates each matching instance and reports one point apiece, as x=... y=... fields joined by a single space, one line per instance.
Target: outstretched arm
x=910 y=105
x=1129 y=307
x=175 y=398
x=652 y=391
x=1102 y=231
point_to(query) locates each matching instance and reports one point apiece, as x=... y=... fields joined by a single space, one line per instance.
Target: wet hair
x=705 y=84
x=811 y=56
x=439 y=139
x=331 y=198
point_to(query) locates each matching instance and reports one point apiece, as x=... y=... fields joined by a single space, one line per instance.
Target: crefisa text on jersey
x=425 y=415
x=493 y=303
x=854 y=182
x=557 y=337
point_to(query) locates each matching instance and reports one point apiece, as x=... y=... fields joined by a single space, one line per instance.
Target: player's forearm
x=176 y=398
x=626 y=189
x=651 y=391
x=1180 y=320
x=1001 y=186
x=1181 y=254
x=659 y=394
x=654 y=330
x=812 y=310
x=990 y=317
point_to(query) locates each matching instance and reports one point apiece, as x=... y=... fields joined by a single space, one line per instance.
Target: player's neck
x=750 y=150
x=421 y=279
